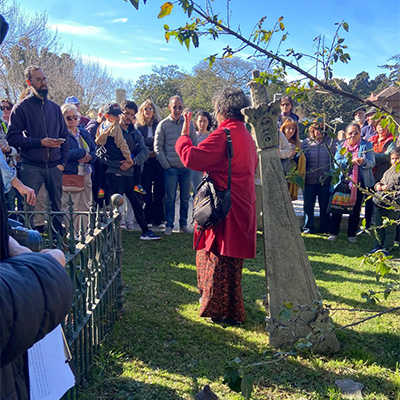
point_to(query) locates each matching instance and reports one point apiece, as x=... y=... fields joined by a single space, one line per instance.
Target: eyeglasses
x=74 y=118
x=177 y=108
x=2 y=108
x=285 y=104
x=39 y=80
x=354 y=133
x=148 y=109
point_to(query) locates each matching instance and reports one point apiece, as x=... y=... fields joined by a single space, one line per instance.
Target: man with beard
x=38 y=128
x=120 y=173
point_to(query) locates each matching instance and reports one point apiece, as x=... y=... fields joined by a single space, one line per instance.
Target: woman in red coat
x=221 y=250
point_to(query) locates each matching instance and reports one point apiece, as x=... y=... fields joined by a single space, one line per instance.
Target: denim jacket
x=365 y=170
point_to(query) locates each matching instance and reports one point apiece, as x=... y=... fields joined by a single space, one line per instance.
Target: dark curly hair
x=229 y=102
x=206 y=114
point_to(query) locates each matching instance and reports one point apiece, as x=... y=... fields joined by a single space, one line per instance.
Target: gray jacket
x=167 y=133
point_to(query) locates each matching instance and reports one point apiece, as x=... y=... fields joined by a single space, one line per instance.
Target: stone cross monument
x=294 y=307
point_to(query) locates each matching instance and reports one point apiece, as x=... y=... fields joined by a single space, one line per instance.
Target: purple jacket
x=32 y=120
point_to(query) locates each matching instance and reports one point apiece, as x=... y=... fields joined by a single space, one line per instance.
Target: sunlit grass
x=162 y=349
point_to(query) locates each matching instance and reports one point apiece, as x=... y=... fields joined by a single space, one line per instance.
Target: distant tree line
x=30 y=41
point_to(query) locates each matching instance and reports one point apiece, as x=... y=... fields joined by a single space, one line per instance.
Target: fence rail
x=94 y=265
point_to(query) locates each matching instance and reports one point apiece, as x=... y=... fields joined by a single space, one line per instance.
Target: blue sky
x=129 y=42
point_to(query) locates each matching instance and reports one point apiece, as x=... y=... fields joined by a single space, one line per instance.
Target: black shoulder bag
x=210 y=205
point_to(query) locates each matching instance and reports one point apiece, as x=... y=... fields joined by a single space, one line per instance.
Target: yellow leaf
x=166 y=9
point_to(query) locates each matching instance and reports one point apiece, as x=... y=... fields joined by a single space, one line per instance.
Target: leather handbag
x=73 y=183
x=211 y=205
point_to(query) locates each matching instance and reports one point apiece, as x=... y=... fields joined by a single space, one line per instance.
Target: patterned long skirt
x=219 y=282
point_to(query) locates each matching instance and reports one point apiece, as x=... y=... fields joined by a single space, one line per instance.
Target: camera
x=25 y=237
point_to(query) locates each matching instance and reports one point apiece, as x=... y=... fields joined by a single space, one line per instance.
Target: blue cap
x=71 y=100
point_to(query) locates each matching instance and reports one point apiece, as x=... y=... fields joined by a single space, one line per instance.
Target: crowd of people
x=132 y=151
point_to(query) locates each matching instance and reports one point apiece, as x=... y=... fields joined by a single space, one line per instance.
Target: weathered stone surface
x=349 y=388
x=288 y=271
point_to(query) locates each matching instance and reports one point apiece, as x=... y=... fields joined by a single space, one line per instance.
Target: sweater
x=31 y=120
x=167 y=133
x=235 y=236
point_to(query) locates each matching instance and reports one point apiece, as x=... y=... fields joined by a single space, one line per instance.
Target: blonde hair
x=140 y=114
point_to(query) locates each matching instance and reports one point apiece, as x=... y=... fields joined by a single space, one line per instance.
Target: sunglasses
x=285 y=104
x=148 y=109
x=74 y=118
x=2 y=108
x=177 y=108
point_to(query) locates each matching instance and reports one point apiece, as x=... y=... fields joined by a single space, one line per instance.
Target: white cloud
x=110 y=13
x=138 y=62
x=165 y=49
x=94 y=32
x=122 y=20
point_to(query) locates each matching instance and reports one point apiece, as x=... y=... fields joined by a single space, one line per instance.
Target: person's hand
x=359 y=160
x=30 y=194
x=125 y=164
x=57 y=254
x=61 y=167
x=15 y=249
x=51 y=143
x=384 y=187
x=187 y=116
x=85 y=160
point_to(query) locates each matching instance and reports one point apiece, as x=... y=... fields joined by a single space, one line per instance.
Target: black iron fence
x=93 y=254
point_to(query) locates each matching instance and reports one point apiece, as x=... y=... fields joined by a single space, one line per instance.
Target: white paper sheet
x=49 y=375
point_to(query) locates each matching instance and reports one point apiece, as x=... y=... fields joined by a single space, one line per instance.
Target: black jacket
x=148 y=141
x=35 y=296
x=31 y=120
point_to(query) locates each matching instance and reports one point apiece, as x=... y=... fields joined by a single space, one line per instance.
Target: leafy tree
x=163 y=83
x=328 y=105
x=199 y=88
x=394 y=75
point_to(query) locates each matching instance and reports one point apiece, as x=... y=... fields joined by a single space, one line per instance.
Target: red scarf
x=354 y=173
x=379 y=142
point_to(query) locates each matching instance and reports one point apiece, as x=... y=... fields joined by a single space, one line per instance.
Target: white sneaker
x=332 y=238
x=185 y=229
x=168 y=230
x=352 y=239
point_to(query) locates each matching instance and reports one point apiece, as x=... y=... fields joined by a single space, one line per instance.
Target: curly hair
x=140 y=115
x=229 y=102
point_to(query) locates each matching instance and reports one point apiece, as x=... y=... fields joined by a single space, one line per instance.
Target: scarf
x=354 y=173
x=379 y=143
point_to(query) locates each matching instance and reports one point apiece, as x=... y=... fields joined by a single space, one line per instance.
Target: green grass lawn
x=161 y=348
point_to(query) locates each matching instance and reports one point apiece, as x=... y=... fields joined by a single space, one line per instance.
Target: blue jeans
x=173 y=176
x=310 y=194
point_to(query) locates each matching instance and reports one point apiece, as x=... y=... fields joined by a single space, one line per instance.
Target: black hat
x=112 y=109
x=362 y=108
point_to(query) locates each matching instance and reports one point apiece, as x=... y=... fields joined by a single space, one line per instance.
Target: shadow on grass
x=161 y=338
